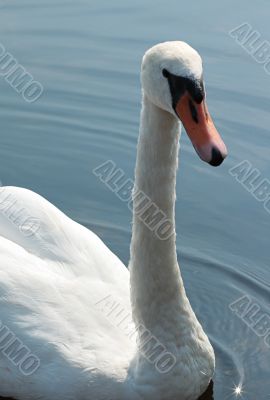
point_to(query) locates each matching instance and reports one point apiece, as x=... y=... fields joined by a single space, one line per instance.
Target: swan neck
x=154 y=271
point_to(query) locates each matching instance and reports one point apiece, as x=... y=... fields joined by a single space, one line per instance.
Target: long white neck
x=156 y=284
x=167 y=328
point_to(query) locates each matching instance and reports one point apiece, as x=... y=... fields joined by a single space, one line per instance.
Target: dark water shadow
x=6 y=398
x=209 y=393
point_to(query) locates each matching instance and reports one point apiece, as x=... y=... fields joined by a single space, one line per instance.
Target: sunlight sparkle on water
x=238 y=390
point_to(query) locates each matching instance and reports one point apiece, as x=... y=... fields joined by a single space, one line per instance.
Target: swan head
x=172 y=79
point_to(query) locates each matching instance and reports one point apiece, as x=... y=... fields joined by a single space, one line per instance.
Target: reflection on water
x=87 y=54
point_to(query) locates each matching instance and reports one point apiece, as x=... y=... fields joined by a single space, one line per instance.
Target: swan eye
x=165 y=73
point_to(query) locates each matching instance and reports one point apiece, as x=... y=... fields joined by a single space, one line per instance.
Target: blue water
x=86 y=54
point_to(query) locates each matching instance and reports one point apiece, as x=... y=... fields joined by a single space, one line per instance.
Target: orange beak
x=201 y=130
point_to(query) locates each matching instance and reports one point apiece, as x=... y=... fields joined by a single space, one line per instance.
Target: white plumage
x=61 y=288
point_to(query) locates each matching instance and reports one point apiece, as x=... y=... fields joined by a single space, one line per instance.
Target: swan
x=75 y=323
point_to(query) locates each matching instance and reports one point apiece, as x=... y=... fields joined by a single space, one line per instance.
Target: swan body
x=83 y=316
x=53 y=286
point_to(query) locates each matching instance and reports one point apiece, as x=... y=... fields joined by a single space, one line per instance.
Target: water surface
x=87 y=55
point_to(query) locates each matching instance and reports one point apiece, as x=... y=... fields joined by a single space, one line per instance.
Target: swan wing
x=64 y=296
x=30 y=221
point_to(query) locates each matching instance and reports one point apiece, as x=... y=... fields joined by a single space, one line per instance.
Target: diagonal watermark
x=252 y=43
x=149 y=213
x=253 y=182
x=17 y=352
x=254 y=316
x=21 y=80
x=150 y=347
x=11 y=209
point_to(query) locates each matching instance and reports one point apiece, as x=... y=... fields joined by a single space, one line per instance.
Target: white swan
x=65 y=303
